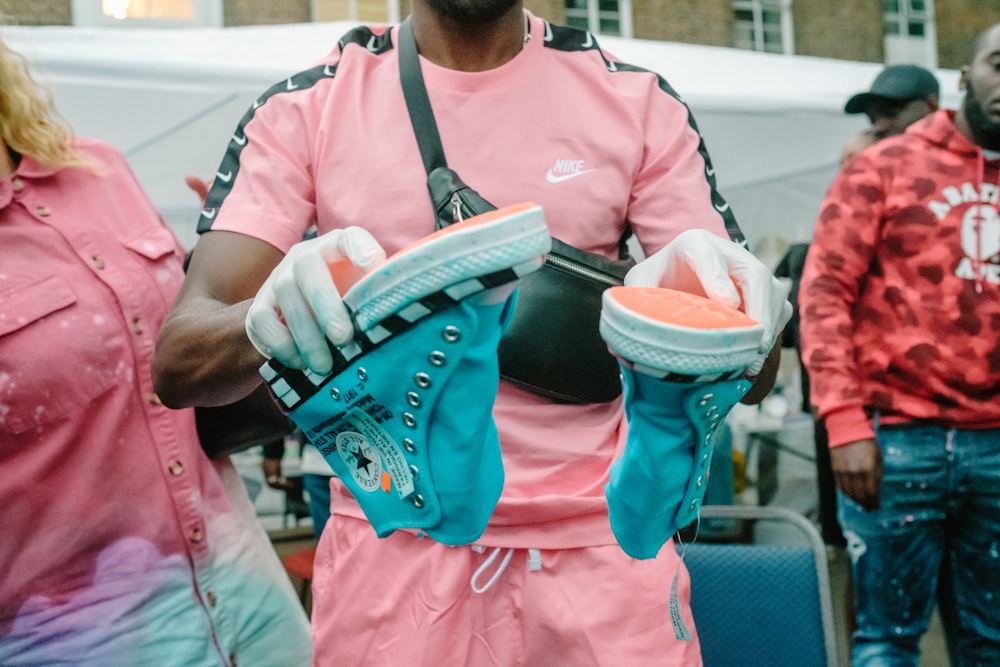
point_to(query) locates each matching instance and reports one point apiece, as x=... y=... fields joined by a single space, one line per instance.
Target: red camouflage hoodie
x=900 y=296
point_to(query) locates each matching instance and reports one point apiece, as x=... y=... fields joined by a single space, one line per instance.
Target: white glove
x=299 y=306
x=699 y=262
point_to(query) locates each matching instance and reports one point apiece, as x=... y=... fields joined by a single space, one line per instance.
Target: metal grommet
x=409 y=420
x=417 y=500
x=701 y=480
x=705 y=399
x=362 y=374
x=437 y=358
x=451 y=333
x=413 y=398
x=334 y=393
x=422 y=380
x=415 y=472
x=409 y=446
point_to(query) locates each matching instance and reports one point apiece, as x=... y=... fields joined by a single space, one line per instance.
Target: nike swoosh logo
x=548 y=32
x=372 y=46
x=327 y=71
x=590 y=41
x=723 y=208
x=257 y=104
x=209 y=212
x=553 y=178
x=290 y=85
x=226 y=177
x=710 y=171
x=239 y=141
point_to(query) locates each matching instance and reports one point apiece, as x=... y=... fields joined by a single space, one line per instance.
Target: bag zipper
x=572 y=267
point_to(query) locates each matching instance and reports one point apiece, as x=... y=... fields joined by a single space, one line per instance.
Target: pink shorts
x=405 y=600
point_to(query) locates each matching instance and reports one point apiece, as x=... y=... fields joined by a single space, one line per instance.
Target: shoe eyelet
x=362 y=374
x=417 y=500
x=409 y=446
x=413 y=398
x=415 y=472
x=705 y=399
x=422 y=380
x=409 y=420
x=451 y=334
x=701 y=480
x=335 y=394
x=438 y=359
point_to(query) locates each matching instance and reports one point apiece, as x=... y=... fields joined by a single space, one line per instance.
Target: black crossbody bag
x=552 y=347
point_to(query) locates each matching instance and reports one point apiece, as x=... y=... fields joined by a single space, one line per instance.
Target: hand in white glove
x=699 y=262
x=299 y=306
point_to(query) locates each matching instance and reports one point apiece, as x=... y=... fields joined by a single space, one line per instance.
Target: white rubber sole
x=659 y=348
x=452 y=263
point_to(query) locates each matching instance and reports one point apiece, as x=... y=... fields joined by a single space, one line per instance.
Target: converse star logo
x=362 y=460
x=564 y=170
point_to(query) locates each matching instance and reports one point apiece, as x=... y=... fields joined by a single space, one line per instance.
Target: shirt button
x=137 y=325
x=195 y=535
x=42 y=211
x=175 y=467
x=97 y=262
x=16 y=184
x=211 y=598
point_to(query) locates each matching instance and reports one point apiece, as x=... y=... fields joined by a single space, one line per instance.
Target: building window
x=763 y=25
x=147 y=13
x=908 y=18
x=605 y=17
x=910 y=32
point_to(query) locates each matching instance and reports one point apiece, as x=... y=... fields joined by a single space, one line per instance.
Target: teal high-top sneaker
x=405 y=418
x=683 y=358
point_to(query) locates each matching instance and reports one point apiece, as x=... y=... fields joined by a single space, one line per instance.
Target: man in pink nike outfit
x=527 y=111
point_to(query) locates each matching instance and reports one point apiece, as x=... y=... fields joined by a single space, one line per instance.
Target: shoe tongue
x=681 y=308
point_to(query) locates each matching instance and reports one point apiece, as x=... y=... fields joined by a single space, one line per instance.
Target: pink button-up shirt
x=121 y=542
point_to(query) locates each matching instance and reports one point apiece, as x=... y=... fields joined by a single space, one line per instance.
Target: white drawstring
x=534 y=565
x=486 y=563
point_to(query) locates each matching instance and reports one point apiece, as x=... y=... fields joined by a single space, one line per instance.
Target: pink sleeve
x=264 y=186
x=675 y=187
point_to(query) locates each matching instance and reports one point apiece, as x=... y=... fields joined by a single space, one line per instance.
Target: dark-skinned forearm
x=203 y=356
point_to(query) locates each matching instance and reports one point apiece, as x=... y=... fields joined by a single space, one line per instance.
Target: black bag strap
x=417 y=103
x=422 y=115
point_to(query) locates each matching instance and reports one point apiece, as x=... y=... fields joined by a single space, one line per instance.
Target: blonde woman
x=122 y=544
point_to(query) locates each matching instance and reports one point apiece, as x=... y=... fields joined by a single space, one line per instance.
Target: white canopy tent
x=169 y=100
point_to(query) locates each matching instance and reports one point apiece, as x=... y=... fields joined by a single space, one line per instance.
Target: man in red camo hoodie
x=900 y=308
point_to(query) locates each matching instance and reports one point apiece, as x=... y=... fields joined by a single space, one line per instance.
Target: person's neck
x=964 y=127
x=464 y=47
x=7 y=163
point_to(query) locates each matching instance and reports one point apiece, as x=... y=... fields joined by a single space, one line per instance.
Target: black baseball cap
x=896 y=82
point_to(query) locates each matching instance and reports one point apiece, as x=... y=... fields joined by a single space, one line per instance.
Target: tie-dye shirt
x=122 y=543
x=900 y=297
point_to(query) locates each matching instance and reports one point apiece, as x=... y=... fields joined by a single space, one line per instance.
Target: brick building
x=935 y=33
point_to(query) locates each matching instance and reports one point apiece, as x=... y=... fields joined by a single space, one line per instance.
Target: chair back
x=766 y=605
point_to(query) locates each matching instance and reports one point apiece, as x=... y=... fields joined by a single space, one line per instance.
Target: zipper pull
x=456 y=207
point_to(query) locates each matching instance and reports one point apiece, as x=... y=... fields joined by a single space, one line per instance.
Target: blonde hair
x=29 y=122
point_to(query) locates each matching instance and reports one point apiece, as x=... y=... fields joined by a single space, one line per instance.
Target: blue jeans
x=318 y=488
x=939 y=525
